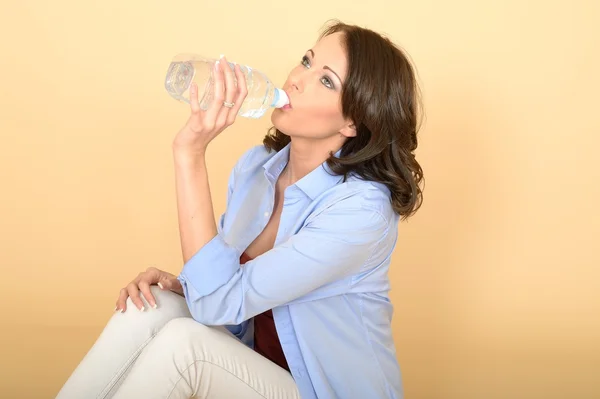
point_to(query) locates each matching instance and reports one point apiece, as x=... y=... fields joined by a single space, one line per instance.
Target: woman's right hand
x=141 y=284
x=230 y=91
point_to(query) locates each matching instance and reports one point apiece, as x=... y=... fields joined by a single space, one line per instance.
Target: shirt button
x=267 y=214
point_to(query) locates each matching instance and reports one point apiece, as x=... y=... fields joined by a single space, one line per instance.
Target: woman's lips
x=288 y=106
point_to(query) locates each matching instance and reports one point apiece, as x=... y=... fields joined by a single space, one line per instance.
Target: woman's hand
x=166 y=281
x=203 y=126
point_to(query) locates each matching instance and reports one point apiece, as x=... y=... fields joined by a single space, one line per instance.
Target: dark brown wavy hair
x=381 y=96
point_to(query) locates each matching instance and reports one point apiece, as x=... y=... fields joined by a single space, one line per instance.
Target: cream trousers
x=164 y=353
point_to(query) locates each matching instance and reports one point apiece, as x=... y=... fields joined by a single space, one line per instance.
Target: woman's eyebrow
x=325 y=67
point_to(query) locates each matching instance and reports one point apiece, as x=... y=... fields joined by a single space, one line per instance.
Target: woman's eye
x=327 y=82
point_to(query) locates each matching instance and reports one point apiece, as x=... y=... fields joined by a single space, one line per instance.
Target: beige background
x=496 y=280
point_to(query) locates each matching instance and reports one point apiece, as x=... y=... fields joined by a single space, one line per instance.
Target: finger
x=171 y=284
x=218 y=95
x=134 y=294
x=230 y=93
x=176 y=286
x=194 y=101
x=145 y=290
x=165 y=283
x=230 y=86
x=122 y=301
x=241 y=93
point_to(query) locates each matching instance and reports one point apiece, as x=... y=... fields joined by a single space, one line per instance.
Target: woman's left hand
x=203 y=126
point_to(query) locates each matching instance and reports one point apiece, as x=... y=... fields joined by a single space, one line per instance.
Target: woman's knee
x=169 y=306
x=164 y=299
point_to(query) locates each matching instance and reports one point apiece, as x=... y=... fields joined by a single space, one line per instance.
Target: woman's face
x=314 y=88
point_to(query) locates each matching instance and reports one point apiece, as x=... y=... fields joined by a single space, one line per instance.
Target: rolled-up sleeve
x=211 y=267
x=332 y=245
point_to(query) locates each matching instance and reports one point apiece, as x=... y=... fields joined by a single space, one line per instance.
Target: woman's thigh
x=189 y=360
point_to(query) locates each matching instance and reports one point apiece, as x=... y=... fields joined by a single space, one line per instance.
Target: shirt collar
x=313 y=184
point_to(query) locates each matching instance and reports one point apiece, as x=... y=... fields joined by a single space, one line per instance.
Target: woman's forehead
x=330 y=51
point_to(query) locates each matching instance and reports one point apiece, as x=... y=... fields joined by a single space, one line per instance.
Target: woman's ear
x=349 y=130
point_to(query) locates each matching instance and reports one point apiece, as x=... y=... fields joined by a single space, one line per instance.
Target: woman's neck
x=306 y=156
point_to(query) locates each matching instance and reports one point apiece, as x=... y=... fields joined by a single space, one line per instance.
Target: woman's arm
x=323 y=259
x=194 y=203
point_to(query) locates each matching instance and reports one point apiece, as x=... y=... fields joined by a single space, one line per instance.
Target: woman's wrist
x=188 y=153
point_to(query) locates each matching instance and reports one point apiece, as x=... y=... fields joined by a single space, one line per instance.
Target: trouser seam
x=219 y=366
x=121 y=371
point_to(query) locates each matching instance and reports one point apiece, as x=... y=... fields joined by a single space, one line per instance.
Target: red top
x=266 y=340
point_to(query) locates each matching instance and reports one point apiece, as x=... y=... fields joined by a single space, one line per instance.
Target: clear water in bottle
x=188 y=68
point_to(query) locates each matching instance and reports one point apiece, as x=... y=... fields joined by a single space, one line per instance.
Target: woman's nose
x=298 y=79
x=296 y=85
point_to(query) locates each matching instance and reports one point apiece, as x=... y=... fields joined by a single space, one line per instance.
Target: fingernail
x=222 y=56
x=142 y=309
x=155 y=306
x=116 y=307
x=122 y=310
x=161 y=287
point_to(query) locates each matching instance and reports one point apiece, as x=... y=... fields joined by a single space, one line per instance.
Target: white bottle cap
x=281 y=98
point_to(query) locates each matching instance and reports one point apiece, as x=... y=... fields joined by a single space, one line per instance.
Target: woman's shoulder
x=361 y=195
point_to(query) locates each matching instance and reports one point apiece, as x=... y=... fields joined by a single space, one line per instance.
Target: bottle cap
x=281 y=98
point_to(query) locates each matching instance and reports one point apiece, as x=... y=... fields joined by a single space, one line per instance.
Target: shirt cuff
x=211 y=267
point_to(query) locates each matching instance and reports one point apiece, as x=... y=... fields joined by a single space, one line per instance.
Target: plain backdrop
x=496 y=280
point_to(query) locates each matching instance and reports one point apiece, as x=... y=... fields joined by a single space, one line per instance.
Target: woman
x=287 y=296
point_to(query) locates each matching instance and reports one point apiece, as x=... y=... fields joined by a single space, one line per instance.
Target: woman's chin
x=278 y=119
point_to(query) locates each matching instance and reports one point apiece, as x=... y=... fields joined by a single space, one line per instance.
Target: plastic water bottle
x=188 y=68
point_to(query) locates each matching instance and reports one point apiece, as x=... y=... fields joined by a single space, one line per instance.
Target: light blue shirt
x=326 y=279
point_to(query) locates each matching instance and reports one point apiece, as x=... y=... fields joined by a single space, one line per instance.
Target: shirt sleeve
x=335 y=244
